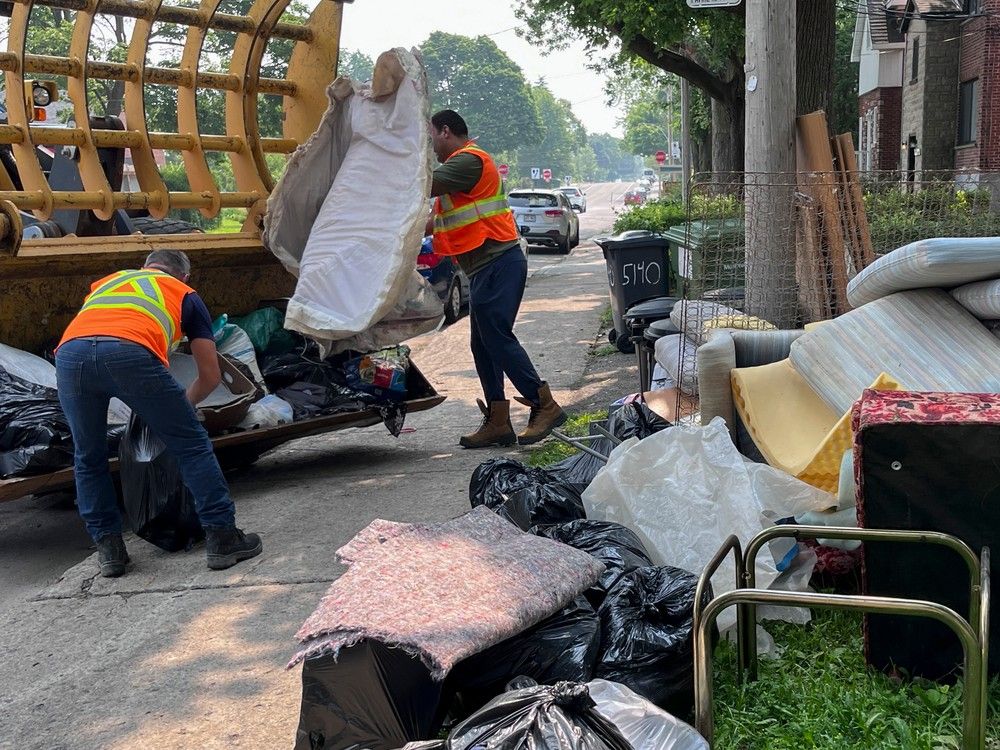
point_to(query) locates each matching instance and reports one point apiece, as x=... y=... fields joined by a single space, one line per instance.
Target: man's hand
x=209 y=375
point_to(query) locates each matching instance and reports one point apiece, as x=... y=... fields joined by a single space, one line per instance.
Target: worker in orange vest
x=118 y=345
x=473 y=222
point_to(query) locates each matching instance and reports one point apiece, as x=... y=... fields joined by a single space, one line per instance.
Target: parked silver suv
x=545 y=217
x=577 y=198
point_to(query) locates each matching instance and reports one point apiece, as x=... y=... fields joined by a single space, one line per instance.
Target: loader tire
x=149 y=225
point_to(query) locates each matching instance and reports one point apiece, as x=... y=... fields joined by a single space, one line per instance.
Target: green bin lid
x=697 y=233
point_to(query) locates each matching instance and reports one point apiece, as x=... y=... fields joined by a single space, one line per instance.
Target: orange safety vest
x=139 y=306
x=464 y=221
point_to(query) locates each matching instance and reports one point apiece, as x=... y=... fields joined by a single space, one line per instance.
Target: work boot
x=495 y=429
x=226 y=547
x=112 y=557
x=545 y=416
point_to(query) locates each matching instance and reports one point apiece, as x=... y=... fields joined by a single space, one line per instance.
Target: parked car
x=577 y=198
x=635 y=198
x=545 y=217
x=448 y=280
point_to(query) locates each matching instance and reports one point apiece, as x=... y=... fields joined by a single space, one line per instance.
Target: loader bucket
x=43 y=280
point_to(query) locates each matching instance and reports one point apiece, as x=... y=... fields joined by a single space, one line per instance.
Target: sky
x=373 y=26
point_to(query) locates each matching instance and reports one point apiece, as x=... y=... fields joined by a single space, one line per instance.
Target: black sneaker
x=226 y=547
x=112 y=556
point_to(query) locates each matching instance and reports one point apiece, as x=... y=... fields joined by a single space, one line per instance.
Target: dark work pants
x=495 y=297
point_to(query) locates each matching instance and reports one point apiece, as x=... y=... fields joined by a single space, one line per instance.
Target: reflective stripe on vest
x=148 y=300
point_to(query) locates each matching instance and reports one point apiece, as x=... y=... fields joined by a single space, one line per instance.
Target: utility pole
x=685 y=138
x=770 y=161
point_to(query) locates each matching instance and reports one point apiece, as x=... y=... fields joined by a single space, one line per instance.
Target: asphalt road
x=176 y=656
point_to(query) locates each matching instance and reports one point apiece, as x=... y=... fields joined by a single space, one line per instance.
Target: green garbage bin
x=706 y=255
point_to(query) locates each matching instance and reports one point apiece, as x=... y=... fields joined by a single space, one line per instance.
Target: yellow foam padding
x=791 y=425
x=823 y=470
x=782 y=413
x=739 y=322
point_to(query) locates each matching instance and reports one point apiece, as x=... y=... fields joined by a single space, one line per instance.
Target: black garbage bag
x=159 y=506
x=34 y=433
x=646 y=636
x=631 y=420
x=560 y=648
x=616 y=546
x=635 y=419
x=371 y=697
x=303 y=364
x=557 y=717
x=315 y=400
x=523 y=495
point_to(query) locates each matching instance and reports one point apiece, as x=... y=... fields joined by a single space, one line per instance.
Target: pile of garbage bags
x=635 y=626
x=597 y=715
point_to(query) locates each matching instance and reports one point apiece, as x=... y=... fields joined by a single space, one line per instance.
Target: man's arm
x=197 y=326
x=457 y=175
x=209 y=375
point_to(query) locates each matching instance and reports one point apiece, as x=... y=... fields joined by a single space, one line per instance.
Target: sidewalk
x=176 y=656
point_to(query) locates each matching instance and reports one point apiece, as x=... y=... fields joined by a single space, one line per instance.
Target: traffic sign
x=536 y=173
x=504 y=170
x=547 y=175
x=675 y=149
x=661 y=156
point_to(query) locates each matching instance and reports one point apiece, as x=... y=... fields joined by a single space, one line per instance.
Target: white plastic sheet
x=644 y=725
x=686 y=489
x=270 y=411
x=349 y=214
x=233 y=341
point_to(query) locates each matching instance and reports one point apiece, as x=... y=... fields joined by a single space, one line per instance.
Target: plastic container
x=638 y=269
x=706 y=255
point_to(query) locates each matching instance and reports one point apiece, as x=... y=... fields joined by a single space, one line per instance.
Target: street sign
x=713 y=3
x=675 y=149
x=547 y=175
x=661 y=156
x=504 y=170
x=670 y=167
x=536 y=173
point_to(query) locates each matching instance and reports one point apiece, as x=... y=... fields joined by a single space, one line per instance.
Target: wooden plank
x=810 y=267
x=867 y=255
x=813 y=133
x=847 y=209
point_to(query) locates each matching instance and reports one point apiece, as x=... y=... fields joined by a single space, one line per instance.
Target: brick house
x=944 y=57
x=878 y=48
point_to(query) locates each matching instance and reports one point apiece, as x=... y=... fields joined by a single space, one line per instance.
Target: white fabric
x=370 y=160
x=683 y=491
x=678 y=355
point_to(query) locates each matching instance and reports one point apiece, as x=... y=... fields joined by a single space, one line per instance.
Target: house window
x=968 y=112
x=915 y=61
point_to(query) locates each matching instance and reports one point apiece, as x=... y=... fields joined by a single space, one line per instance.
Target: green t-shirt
x=459 y=175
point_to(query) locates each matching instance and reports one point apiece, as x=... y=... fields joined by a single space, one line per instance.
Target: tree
x=844 y=104
x=478 y=80
x=646 y=127
x=355 y=64
x=563 y=135
x=704 y=46
x=612 y=160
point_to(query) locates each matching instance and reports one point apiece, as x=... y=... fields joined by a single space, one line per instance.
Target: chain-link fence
x=776 y=251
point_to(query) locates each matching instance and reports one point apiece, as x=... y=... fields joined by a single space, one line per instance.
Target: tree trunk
x=727 y=139
x=815 y=39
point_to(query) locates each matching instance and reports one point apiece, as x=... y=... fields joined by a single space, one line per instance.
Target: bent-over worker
x=473 y=222
x=118 y=345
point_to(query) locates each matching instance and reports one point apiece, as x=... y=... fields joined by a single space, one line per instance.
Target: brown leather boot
x=495 y=429
x=544 y=418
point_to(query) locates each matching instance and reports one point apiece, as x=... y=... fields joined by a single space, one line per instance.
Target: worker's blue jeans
x=89 y=373
x=494 y=299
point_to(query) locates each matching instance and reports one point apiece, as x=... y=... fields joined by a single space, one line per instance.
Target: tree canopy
x=477 y=79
